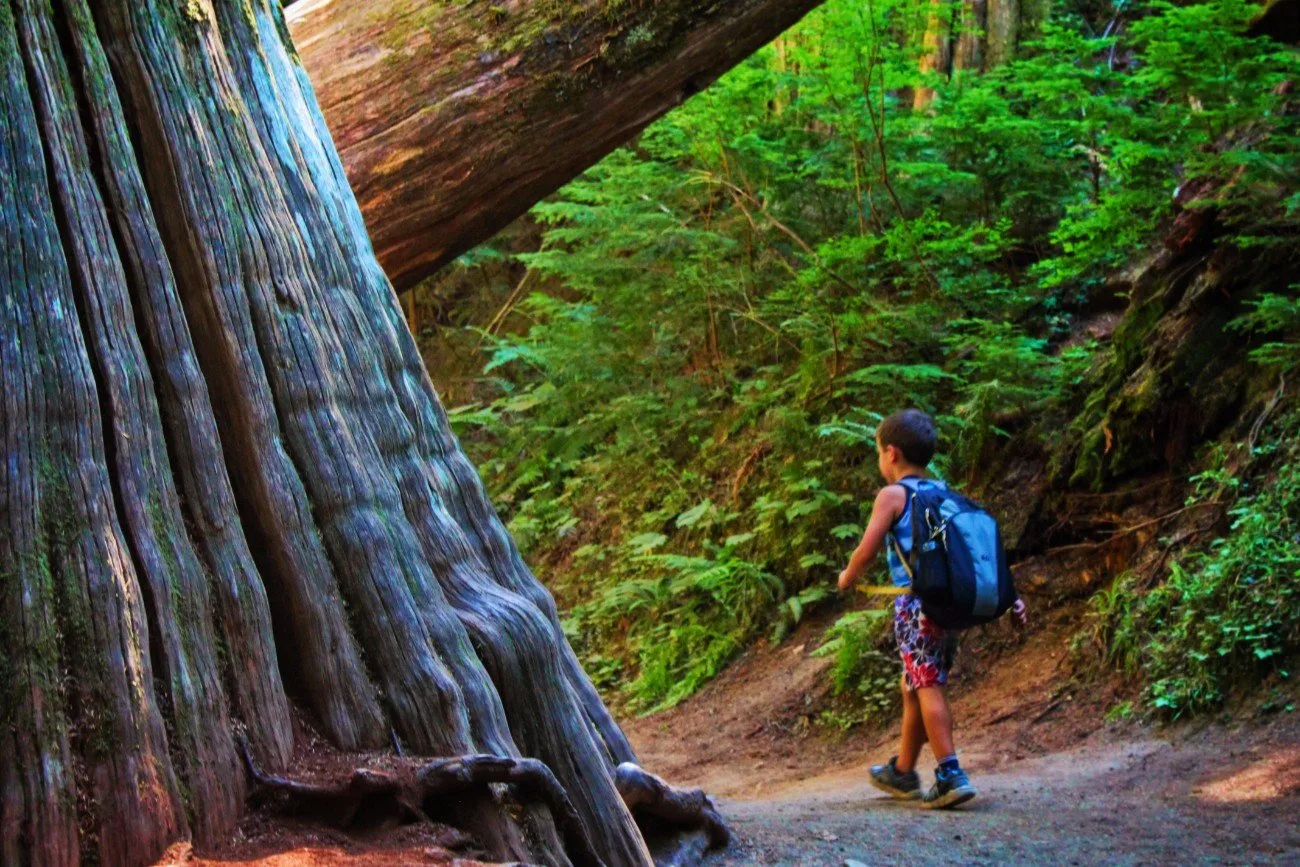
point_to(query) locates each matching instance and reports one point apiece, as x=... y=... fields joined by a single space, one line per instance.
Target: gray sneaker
x=887 y=778
x=950 y=789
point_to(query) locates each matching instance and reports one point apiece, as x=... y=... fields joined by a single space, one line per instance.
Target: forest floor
x=1058 y=783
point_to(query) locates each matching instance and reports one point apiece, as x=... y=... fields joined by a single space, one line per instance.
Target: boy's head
x=905 y=442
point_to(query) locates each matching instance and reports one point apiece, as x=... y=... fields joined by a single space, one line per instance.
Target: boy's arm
x=889 y=504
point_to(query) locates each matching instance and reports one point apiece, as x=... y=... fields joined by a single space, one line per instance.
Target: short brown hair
x=912 y=433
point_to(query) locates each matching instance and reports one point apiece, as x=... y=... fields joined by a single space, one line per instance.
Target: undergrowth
x=680 y=382
x=865 y=673
x=1226 y=616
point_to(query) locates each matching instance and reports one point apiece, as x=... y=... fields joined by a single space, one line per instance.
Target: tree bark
x=936 y=48
x=971 y=37
x=974 y=35
x=1176 y=375
x=227 y=479
x=1002 y=30
x=453 y=119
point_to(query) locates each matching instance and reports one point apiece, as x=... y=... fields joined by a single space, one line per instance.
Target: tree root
x=646 y=793
x=449 y=776
x=371 y=795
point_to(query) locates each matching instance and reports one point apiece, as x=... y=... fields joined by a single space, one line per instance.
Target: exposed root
x=372 y=797
x=450 y=776
x=645 y=793
x=376 y=795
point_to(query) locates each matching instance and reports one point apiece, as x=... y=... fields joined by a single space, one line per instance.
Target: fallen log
x=454 y=118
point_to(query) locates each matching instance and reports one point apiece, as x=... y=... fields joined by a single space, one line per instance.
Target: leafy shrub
x=1225 y=616
x=866 y=667
x=682 y=622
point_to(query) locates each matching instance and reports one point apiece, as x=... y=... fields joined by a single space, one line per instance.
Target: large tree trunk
x=455 y=118
x=226 y=477
x=936 y=47
x=974 y=35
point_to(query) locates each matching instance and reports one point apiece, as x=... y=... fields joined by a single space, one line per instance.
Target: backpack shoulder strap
x=909 y=487
x=902 y=558
x=914 y=484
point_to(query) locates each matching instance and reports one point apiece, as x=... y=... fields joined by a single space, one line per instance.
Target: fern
x=676 y=412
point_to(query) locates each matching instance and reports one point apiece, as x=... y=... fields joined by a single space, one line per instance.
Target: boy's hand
x=1020 y=614
x=846 y=580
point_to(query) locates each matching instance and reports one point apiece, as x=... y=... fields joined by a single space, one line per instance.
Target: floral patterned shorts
x=927 y=650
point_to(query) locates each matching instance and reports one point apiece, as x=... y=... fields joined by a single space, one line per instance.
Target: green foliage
x=1276 y=318
x=682 y=619
x=1187 y=105
x=1120 y=712
x=866 y=669
x=678 y=422
x=1224 y=616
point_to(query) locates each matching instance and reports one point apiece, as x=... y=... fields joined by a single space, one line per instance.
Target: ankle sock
x=949 y=764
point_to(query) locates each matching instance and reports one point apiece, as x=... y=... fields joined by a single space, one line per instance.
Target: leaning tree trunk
x=227 y=479
x=1176 y=374
x=454 y=118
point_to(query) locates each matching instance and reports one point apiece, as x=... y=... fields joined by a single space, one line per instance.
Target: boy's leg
x=927 y=656
x=914 y=732
x=951 y=785
x=898 y=775
x=936 y=717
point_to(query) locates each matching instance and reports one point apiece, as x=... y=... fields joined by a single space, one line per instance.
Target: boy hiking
x=905 y=443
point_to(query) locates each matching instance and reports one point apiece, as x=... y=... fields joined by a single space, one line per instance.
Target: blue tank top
x=901 y=532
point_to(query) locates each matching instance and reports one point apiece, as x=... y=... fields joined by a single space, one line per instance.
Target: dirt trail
x=1057 y=784
x=1143 y=802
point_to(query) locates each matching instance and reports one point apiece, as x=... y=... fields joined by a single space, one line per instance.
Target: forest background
x=669 y=373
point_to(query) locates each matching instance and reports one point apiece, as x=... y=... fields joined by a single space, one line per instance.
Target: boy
x=905 y=443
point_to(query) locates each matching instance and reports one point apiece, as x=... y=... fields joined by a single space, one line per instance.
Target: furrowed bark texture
x=454 y=118
x=227 y=479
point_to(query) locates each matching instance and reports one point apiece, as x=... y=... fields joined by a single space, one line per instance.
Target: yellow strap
x=882 y=590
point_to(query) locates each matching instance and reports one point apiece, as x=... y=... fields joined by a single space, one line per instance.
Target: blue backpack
x=957 y=564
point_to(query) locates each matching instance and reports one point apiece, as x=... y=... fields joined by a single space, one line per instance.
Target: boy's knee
x=934 y=696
